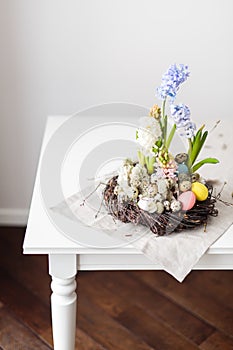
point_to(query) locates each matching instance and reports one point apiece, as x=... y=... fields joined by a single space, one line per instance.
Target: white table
x=67 y=257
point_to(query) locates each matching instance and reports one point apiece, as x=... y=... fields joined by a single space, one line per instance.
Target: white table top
x=42 y=237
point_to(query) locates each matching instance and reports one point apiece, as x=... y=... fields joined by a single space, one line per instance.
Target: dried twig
x=160 y=224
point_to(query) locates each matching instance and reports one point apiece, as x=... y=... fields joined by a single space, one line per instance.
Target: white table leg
x=63 y=270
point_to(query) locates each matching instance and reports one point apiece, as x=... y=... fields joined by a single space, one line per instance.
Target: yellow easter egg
x=200 y=191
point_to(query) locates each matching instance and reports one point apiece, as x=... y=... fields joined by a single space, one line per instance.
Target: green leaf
x=159 y=143
x=170 y=137
x=204 y=138
x=150 y=164
x=201 y=144
x=141 y=158
x=204 y=161
x=195 y=146
x=147 y=161
x=136 y=134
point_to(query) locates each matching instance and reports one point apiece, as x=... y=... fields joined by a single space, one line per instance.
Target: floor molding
x=13 y=216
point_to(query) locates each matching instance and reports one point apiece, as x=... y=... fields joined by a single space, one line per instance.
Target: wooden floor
x=116 y=310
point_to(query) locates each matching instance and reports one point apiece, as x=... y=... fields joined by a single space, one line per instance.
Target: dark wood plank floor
x=116 y=310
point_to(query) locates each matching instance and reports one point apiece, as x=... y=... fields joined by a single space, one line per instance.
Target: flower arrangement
x=160 y=190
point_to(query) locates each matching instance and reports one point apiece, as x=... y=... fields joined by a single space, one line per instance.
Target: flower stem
x=164 y=121
x=165 y=130
x=141 y=158
x=150 y=164
x=163 y=107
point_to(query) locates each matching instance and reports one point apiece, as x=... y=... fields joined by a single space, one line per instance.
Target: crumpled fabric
x=176 y=253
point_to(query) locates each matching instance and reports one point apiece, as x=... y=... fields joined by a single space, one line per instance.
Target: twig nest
x=161 y=215
x=201 y=191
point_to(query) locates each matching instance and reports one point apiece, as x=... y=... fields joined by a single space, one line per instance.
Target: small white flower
x=139 y=176
x=123 y=173
x=163 y=187
x=153 y=178
x=148 y=133
x=152 y=190
x=125 y=193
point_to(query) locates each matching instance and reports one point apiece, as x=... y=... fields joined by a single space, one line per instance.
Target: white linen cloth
x=176 y=253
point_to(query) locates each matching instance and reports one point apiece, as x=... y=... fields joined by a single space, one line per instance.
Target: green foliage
x=170 y=137
x=150 y=164
x=204 y=161
x=195 y=146
x=141 y=158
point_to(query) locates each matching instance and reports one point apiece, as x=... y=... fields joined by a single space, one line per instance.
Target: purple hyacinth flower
x=189 y=130
x=181 y=114
x=171 y=80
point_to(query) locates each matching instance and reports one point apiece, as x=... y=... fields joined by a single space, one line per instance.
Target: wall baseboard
x=13 y=216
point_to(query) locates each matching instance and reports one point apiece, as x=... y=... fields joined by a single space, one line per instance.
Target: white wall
x=59 y=56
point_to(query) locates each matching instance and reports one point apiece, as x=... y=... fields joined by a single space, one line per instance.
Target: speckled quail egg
x=184 y=177
x=152 y=190
x=167 y=205
x=185 y=186
x=195 y=177
x=162 y=186
x=135 y=193
x=160 y=207
x=181 y=158
x=176 y=205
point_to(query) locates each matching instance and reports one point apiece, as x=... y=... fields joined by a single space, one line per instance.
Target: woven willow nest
x=159 y=224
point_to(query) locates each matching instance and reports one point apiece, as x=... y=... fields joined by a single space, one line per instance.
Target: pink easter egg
x=187 y=199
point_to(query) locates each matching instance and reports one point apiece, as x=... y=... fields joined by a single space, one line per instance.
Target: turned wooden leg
x=63 y=300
